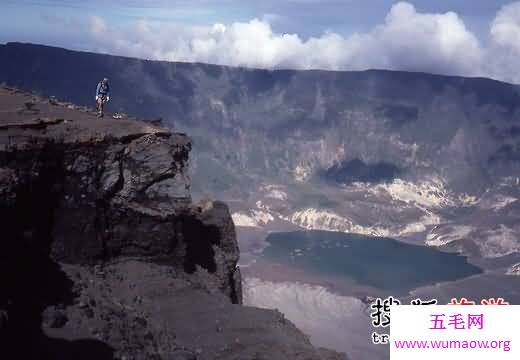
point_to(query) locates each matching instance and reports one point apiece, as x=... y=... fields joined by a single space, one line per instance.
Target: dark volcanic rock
x=3 y=319
x=104 y=255
x=182 y=355
x=54 y=317
x=121 y=191
x=357 y=171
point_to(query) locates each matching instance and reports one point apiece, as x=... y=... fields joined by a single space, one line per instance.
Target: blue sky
x=349 y=34
x=31 y=19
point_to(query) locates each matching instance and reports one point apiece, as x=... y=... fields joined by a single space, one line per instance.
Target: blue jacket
x=103 y=89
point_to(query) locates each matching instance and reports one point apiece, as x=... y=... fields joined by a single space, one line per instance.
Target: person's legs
x=100 y=106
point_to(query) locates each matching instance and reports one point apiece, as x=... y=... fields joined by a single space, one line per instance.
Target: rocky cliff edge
x=103 y=255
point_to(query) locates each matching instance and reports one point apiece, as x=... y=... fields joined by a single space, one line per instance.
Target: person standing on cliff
x=102 y=96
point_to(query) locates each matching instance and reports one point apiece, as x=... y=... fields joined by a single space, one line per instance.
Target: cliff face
x=103 y=254
x=93 y=196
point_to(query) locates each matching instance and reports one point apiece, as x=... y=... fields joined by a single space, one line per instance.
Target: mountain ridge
x=376 y=70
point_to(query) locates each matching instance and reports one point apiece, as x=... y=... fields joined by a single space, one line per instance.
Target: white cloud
x=504 y=53
x=505 y=29
x=406 y=40
x=416 y=41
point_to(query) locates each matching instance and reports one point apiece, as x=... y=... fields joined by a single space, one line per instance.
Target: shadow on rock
x=30 y=281
x=35 y=285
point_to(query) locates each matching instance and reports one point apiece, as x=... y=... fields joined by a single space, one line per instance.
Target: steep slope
x=103 y=254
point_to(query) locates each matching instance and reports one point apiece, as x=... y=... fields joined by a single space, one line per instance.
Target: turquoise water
x=379 y=262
